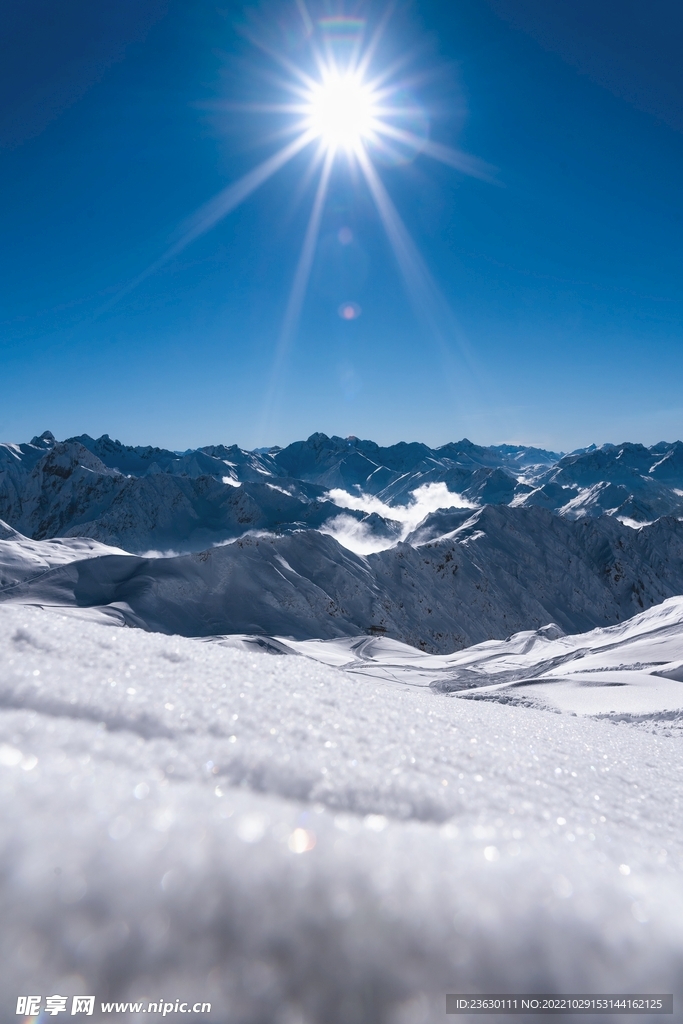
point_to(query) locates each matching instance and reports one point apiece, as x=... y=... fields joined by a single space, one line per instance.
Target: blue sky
x=561 y=310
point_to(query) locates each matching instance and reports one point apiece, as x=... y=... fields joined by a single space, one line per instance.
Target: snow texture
x=301 y=844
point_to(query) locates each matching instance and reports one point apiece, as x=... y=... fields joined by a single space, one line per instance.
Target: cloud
x=156 y=553
x=363 y=540
x=356 y=536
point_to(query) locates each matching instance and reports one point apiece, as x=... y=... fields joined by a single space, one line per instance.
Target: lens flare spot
x=349 y=311
x=301 y=840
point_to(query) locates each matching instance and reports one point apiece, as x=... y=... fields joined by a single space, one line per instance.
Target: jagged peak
x=46 y=435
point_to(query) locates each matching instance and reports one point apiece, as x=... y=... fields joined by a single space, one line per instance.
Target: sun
x=341 y=110
x=353 y=113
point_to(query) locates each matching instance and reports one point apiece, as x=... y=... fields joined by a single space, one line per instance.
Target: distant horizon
x=560 y=452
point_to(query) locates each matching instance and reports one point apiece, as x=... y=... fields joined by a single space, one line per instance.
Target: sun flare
x=354 y=113
x=342 y=111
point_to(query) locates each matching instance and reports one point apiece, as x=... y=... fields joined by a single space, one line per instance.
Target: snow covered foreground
x=631 y=672
x=299 y=843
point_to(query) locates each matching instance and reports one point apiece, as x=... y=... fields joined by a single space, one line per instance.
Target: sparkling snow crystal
x=297 y=843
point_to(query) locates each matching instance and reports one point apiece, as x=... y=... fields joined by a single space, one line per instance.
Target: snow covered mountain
x=438 y=548
x=502 y=570
x=629 y=481
x=144 y=498
x=153 y=499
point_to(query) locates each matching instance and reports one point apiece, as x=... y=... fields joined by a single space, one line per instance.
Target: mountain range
x=146 y=498
x=439 y=548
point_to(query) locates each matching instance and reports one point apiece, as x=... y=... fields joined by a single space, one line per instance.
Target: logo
x=30 y=1006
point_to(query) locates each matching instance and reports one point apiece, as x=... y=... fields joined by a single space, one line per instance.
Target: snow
x=629 y=672
x=300 y=843
x=24 y=559
x=499 y=571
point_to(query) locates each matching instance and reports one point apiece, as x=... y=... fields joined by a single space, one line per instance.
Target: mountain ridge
x=148 y=498
x=331 y=537
x=501 y=571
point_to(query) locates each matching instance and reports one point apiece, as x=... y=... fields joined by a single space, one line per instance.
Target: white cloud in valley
x=359 y=537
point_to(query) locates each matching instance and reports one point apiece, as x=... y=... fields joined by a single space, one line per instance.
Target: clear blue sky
x=563 y=277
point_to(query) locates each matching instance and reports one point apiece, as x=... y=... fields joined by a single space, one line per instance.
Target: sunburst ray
x=350 y=108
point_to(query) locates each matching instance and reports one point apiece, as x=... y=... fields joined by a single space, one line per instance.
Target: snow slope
x=630 y=672
x=299 y=844
x=501 y=571
x=23 y=560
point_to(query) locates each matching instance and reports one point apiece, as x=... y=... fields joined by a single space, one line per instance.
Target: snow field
x=297 y=844
x=629 y=672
